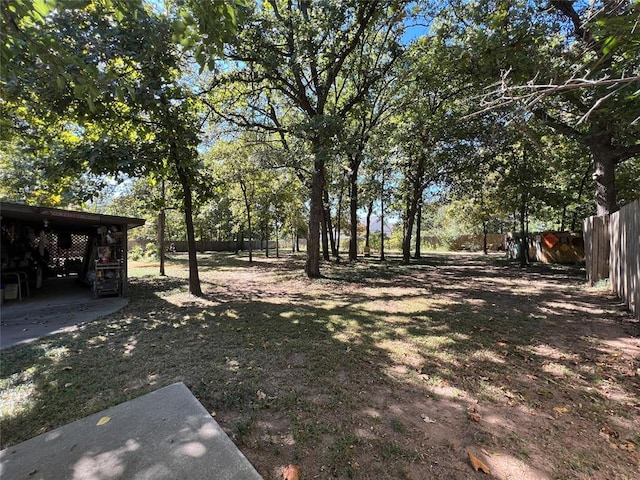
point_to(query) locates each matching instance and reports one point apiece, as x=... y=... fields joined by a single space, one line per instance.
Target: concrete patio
x=164 y=435
x=59 y=307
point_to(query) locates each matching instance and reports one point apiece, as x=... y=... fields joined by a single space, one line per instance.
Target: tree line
x=302 y=116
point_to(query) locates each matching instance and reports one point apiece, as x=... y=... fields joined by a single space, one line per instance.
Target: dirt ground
x=381 y=370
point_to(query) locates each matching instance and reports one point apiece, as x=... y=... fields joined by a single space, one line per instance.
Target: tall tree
x=121 y=93
x=431 y=142
x=298 y=61
x=574 y=65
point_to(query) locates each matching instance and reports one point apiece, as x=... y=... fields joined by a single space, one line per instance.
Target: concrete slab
x=164 y=435
x=60 y=308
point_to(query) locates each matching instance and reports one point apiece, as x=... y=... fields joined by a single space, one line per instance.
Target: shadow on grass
x=341 y=379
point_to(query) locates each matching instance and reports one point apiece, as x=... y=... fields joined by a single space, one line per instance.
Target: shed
x=40 y=244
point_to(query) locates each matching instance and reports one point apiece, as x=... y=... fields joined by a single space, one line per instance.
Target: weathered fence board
x=596 y=247
x=624 y=257
x=612 y=250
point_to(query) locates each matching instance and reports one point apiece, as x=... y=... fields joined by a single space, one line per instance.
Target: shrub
x=151 y=251
x=137 y=252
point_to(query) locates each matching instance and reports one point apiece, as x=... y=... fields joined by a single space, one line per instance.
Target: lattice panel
x=66 y=252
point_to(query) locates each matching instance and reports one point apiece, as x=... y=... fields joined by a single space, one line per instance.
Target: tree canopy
x=515 y=108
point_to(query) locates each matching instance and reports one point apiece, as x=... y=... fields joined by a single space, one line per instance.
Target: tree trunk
x=339 y=218
x=604 y=167
x=368 y=230
x=194 y=278
x=247 y=207
x=329 y=226
x=266 y=234
x=413 y=200
x=524 y=248
x=412 y=207
x=353 y=215
x=161 y=222
x=161 y=241
x=418 y=253
x=325 y=228
x=382 y=217
x=484 y=237
x=312 y=266
x=605 y=155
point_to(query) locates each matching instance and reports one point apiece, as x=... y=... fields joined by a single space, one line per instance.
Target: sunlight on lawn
x=384 y=368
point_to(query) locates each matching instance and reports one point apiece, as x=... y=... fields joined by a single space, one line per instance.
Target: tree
x=432 y=142
x=532 y=48
x=296 y=61
x=122 y=94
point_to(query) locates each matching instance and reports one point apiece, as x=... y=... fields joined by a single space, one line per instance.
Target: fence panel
x=596 y=247
x=624 y=259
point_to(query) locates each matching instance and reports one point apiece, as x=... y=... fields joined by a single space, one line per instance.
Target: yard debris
x=607 y=432
x=102 y=421
x=474 y=416
x=291 y=472
x=261 y=395
x=629 y=446
x=477 y=464
x=561 y=410
x=427 y=419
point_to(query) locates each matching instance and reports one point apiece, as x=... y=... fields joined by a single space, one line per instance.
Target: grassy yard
x=376 y=371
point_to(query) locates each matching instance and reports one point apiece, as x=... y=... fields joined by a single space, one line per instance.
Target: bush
x=151 y=251
x=137 y=252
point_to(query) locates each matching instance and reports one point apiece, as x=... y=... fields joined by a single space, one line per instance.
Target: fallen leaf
x=291 y=472
x=261 y=395
x=427 y=419
x=630 y=447
x=477 y=464
x=609 y=432
x=103 y=420
x=561 y=410
x=474 y=417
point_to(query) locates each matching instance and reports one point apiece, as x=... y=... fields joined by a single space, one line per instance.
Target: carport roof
x=68 y=220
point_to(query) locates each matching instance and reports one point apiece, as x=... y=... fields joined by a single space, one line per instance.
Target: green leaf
x=92 y=105
x=43 y=7
x=609 y=44
x=119 y=94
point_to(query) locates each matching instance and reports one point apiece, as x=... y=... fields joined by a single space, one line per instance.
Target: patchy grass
x=377 y=370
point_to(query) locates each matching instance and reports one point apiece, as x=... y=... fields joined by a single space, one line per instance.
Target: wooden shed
x=40 y=244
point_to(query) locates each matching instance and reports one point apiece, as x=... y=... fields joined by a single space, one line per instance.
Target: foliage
x=298 y=69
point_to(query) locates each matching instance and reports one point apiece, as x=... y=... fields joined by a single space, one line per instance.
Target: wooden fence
x=596 y=248
x=624 y=257
x=612 y=248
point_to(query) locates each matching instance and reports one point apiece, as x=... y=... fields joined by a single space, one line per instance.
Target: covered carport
x=41 y=246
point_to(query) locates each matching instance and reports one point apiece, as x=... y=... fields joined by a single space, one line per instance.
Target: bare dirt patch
x=376 y=371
